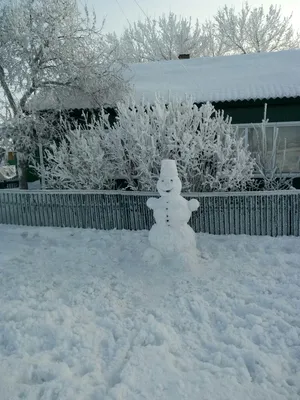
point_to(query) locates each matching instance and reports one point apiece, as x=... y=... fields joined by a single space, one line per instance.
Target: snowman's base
x=152 y=256
x=170 y=240
x=188 y=258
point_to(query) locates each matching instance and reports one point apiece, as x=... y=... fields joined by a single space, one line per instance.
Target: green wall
x=241 y=111
x=252 y=111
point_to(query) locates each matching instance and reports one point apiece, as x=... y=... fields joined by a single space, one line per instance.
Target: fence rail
x=251 y=213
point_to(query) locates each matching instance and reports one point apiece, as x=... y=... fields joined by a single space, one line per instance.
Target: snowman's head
x=168 y=186
x=169 y=183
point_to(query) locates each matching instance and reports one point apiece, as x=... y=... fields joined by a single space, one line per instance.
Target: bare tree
x=214 y=43
x=230 y=32
x=162 y=39
x=252 y=30
x=50 y=46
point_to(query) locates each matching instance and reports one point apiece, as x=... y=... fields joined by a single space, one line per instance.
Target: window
x=282 y=144
x=254 y=142
x=289 y=141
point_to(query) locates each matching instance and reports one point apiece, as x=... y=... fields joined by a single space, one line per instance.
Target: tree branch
x=7 y=91
x=33 y=88
x=26 y=96
x=56 y=83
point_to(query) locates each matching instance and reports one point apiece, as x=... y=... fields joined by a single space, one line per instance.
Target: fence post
x=43 y=184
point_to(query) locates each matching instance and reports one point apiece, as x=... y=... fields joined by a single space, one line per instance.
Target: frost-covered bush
x=270 y=160
x=210 y=155
x=77 y=162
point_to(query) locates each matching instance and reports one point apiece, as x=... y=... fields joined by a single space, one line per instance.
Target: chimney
x=183 y=56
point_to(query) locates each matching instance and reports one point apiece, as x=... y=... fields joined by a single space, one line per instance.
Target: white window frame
x=273 y=125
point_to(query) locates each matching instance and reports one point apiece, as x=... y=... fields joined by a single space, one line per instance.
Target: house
x=240 y=85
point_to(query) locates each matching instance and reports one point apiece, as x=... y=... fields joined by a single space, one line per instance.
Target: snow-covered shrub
x=269 y=160
x=77 y=161
x=209 y=153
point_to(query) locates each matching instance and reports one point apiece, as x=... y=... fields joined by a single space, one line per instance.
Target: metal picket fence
x=251 y=213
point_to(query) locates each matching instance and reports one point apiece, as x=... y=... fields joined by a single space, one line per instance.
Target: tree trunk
x=22 y=171
x=7 y=91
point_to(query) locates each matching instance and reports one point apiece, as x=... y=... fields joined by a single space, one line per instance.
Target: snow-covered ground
x=81 y=318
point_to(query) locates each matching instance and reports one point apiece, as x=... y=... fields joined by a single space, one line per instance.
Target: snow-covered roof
x=60 y=98
x=226 y=78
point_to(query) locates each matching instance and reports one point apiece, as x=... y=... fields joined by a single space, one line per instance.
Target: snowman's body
x=171 y=235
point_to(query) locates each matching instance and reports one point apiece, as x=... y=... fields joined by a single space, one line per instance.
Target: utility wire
x=123 y=12
x=179 y=60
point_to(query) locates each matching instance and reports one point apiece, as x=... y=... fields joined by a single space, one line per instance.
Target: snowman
x=171 y=235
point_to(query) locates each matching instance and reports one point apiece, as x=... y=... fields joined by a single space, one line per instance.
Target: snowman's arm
x=152 y=203
x=193 y=204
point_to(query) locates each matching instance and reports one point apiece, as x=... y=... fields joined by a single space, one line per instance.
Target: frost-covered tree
x=210 y=155
x=230 y=32
x=164 y=38
x=27 y=132
x=215 y=45
x=51 y=46
x=252 y=30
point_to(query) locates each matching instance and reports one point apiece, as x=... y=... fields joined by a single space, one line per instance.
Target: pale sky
x=116 y=19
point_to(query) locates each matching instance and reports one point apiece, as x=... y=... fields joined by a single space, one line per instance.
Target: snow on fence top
x=224 y=78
